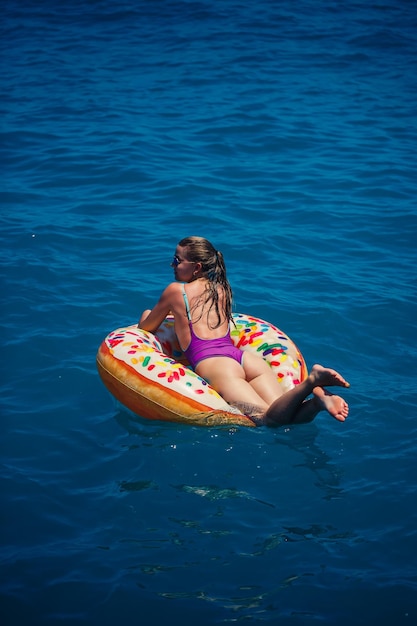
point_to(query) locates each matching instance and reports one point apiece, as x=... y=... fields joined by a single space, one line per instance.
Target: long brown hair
x=200 y=250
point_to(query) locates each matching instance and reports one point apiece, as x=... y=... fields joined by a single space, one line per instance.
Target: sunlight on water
x=286 y=134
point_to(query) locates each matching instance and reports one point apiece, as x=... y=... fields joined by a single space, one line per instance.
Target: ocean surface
x=285 y=132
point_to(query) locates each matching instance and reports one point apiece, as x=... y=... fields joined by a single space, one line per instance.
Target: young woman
x=201 y=303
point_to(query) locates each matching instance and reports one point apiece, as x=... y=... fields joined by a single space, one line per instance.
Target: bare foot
x=323 y=376
x=335 y=405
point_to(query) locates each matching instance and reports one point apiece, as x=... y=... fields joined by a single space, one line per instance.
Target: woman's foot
x=325 y=377
x=336 y=406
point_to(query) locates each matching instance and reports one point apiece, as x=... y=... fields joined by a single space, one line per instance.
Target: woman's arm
x=144 y=316
x=151 y=319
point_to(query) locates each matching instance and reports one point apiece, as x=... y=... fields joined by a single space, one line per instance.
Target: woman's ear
x=198 y=268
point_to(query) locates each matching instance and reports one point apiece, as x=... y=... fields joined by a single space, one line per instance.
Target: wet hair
x=200 y=250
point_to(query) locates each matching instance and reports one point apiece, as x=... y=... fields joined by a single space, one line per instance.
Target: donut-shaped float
x=149 y=374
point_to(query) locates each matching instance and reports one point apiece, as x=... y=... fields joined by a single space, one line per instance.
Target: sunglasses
x=176 y=261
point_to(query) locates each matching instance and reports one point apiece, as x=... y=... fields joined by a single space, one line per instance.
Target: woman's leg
x=228 y=378
x=293 y=408
x=262 y=378
x=290 y=407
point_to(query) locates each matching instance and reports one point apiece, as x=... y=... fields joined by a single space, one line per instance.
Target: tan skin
x=253 y=386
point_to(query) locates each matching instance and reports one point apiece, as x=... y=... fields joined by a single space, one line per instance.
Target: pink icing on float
x=149 y=374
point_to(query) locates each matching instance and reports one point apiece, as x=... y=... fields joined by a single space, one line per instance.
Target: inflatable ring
x=149 y=374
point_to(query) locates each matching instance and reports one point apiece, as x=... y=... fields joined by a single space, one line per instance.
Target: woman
x=201 y=303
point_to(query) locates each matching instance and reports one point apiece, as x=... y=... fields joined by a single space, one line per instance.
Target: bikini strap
x=187 y=305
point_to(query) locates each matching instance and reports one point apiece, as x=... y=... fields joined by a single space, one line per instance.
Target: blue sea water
x=286 y=133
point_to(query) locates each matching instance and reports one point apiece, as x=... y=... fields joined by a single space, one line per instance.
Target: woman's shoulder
x=174 y=286
x=173 y=289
